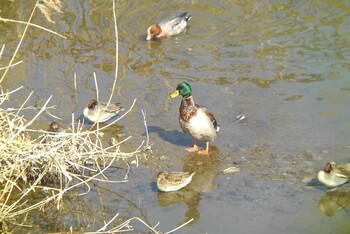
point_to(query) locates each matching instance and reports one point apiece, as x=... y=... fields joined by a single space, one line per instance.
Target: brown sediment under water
x=284 y=65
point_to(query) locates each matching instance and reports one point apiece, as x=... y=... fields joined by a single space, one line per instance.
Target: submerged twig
x=33 y=25
x=12 y=65
x=177 y=228
x=46 y=9
x=17 y=48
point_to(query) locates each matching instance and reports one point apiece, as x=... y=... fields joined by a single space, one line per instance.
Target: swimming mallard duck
x=172 y=181
x=100 y=112
x=194 y=119
x=331 y=176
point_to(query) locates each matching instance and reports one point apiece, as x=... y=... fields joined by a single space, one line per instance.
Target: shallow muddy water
x=284 y=65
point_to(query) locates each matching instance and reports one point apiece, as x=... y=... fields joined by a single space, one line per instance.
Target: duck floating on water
x=168 y=27
x=173 y=181
x=100 y=112
x=331 y=176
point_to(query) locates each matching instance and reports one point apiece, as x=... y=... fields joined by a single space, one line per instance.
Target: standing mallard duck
x=194 y=119
x=331 y=176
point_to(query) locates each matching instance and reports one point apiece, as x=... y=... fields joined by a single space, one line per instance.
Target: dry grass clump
x=47 y=7
x=70 y=158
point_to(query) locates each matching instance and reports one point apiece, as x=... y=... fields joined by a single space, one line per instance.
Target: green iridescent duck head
x=183 y=89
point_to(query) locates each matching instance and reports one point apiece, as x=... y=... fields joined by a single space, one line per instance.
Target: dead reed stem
x=5 y=20
x=46 y=8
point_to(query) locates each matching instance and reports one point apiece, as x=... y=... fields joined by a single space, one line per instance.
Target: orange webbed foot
x=192 y=150
x=203 y=152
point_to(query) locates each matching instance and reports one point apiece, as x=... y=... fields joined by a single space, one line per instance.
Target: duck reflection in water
x=334 y=201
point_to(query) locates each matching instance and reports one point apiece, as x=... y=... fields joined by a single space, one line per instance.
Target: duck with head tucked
x=195 y=120
x=100 y=112
x=168 y=27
